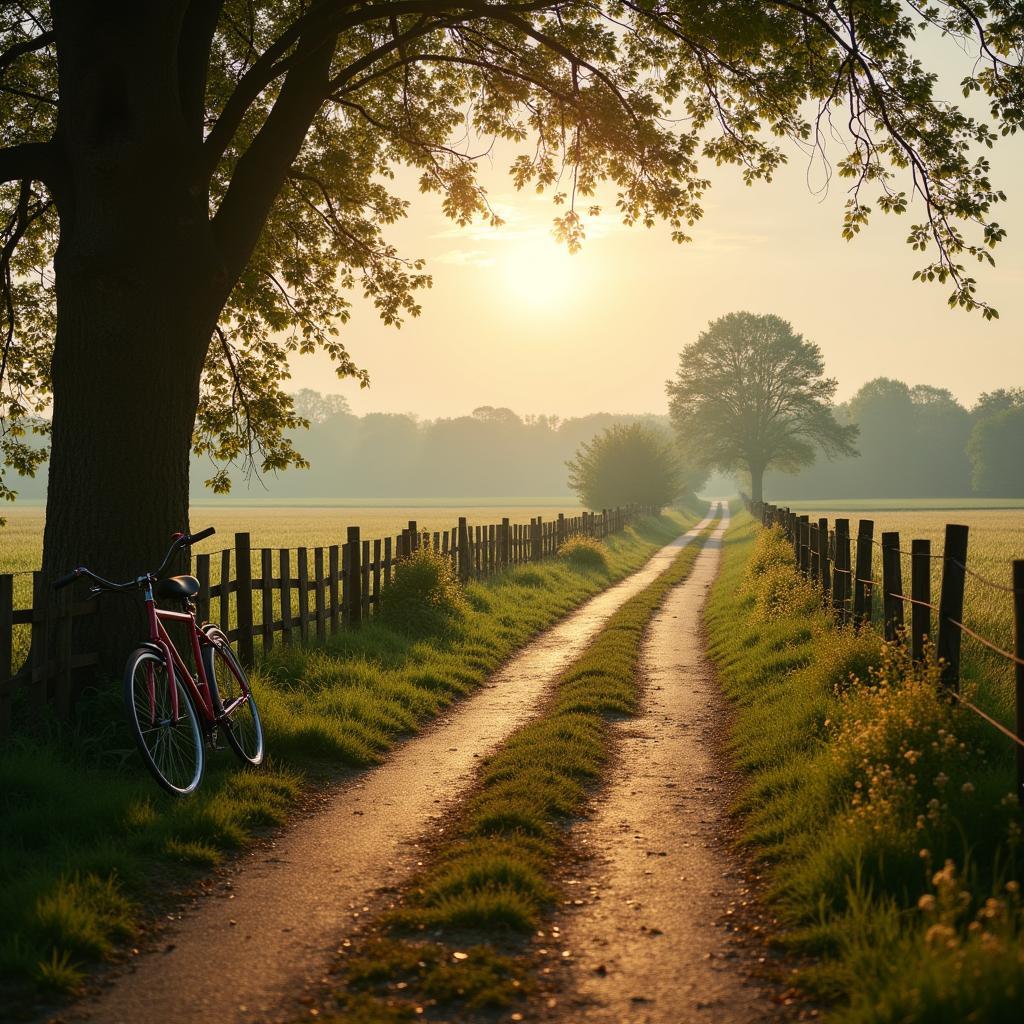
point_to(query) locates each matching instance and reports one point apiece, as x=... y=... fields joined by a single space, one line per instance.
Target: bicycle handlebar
x=180 y=541
x=67 y=580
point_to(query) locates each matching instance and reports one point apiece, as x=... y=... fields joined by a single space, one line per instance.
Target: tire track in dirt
x=268 y=930
x=652 y=943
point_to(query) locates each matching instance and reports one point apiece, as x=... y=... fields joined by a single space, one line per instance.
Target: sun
x=539 y=275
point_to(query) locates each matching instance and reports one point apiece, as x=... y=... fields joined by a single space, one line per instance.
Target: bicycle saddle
x=177 y=588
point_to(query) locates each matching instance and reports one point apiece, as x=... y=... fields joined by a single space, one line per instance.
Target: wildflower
x=941 y=779
x=926 y=903
x=967 y=788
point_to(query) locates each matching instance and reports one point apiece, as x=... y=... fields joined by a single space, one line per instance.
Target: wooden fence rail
x=838 y=582
x=296 y=602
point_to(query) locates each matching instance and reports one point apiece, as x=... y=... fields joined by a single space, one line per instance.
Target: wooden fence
x=844 y=568
x=284 y=595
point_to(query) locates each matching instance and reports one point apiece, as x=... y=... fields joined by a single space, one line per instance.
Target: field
x=294 y=525
x=275 y=526
x=996 y=538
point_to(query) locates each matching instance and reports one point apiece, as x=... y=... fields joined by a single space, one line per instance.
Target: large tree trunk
x=126 y=373
x=139 y=288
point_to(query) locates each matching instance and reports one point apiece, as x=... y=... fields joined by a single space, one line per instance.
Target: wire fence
x=843 y=566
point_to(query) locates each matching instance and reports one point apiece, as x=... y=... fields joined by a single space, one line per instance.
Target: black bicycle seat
x=177 y=588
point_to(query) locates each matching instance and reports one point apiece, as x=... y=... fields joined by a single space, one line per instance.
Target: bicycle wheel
x=230 y=686
x=172 y=750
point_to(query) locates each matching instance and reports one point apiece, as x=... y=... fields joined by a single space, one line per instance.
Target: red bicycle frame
x=199 y=687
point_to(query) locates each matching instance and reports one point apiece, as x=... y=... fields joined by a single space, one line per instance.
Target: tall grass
x=86 y=840
x=886 y=812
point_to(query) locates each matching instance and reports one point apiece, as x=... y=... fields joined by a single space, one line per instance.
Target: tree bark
x=139 y=288
x=757 y=483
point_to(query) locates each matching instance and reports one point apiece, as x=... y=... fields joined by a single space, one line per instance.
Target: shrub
x=624 y=464
x=424 y=597
x=585 y=553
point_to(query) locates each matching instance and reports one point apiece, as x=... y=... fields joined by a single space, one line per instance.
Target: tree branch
x=29 y=161
x=261 y=170
x=31 y=45
x=195 y=41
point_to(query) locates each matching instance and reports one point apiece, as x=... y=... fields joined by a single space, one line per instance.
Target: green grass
x=885 y=812
x=996 y=538
x=491 y=880
x=86 y=839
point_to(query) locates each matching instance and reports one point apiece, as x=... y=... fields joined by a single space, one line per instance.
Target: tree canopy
x=751 y=394
x=635 y=463
x=279 y=125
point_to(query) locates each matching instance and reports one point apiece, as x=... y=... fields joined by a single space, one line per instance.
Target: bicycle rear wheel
x=242 y=725
x=172 y=749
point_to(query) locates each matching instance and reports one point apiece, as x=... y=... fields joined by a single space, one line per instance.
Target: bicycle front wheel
x=171 y=747
x=230 y=685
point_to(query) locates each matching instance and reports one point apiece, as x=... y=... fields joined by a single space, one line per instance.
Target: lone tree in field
x=751 y=395
x=192 y=190
x=626 y=464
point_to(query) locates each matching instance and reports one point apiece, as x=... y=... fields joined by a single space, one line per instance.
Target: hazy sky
x=514 y=320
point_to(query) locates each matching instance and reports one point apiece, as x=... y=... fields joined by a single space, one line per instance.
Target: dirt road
x=651 y=943
x=268 y=931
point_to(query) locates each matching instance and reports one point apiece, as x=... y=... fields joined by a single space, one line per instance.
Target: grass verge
x=886 y=812
x=455 y=943
x=87 y=841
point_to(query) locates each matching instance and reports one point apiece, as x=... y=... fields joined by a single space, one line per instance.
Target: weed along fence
x=844 y=567
x=281 y=595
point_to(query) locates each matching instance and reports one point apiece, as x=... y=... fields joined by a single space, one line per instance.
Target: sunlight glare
x=539 y=275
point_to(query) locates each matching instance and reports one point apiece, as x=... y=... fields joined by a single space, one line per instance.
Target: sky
x=514 y=320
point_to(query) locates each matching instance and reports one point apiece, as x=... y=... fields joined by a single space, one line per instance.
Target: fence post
x=506 y=541
x=951 y=604
x=814 y=554
x=1018 y=650
x=892 y=585
x=319 y=592
x=243 y=597
x=823 y=566
x=536 y=540
x=463 y=549
x=333 y=567
x=41 y=610
x=302 y=567
x=354 y=611
x=6 y=649
x=561 y=528
x=803 y=544
x=862 y=579
x=841 y=585
x=414 y=537
x=267 y=589
x=920 y=590
x=225 y=591
x=285 y=562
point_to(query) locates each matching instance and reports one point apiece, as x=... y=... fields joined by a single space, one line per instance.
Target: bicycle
x=175 y=715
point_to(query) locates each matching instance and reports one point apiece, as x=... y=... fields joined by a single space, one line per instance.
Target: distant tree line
x=492 y=452
x=919 y=441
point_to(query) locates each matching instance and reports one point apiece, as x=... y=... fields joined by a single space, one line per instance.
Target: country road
x=653 y=943
x=269 y=927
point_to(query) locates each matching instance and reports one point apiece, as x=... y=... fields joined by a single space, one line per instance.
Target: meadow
x=996 y=538
x=295 y=524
